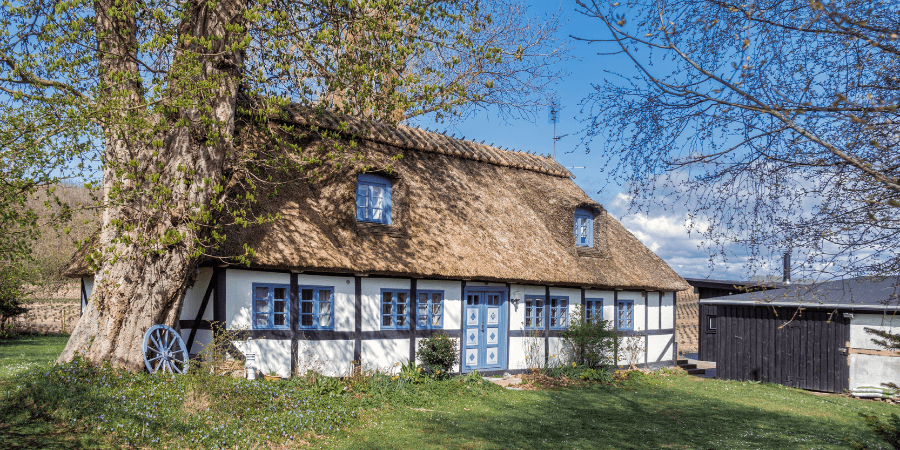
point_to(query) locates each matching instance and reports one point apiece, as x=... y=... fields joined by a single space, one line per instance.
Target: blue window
x=584 y=228
x=373 y=199
x=625 y=315
x=316 y=308
x=430 y=310
x=559 y=312
x=394 y=309
x=593 y=310
x=534 y=312
x=271 y=308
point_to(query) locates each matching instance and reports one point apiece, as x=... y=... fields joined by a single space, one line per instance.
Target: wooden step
x=696 y=371
x=688 y=366
x=681 y=361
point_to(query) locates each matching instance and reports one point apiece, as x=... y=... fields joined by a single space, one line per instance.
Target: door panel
x=484 y=331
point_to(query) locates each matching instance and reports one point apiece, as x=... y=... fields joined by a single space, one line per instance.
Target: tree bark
x=160 y=168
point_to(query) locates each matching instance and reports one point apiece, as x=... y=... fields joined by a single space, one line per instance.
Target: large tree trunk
x=144 y=267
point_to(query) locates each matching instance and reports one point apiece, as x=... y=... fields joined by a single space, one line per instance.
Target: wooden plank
x=845 y=363
x=746 y=344
x=816 y=317
x=821 y=370
x=828 y=352
x=757 y=342
x=869 y=351
x=729 y=343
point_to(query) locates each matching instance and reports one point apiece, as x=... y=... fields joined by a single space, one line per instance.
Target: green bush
x=438 y=354
x=602 y=375
x=11 y=280
x=590 y=344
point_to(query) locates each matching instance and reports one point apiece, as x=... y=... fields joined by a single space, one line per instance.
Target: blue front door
x=484 y=327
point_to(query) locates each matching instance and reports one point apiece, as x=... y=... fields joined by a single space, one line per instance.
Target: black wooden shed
x=796 y=335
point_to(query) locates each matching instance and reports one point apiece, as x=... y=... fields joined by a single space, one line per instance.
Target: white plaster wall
x=882 y=322
x=668 y=312
x=88 y=289
x=872 y=370
x=558 y=353
x=330 y=358
x=385 y=354
x=371 y=300
x=88 y=285
x=452 y=299
x=653 y=311
x=201 y=339
x=194 y=296
x=238 y=293
x=344 y=297
x=519 y=348
x=660 y=348
x=271 y=354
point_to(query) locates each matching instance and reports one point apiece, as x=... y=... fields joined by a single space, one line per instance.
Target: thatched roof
x=461 y=210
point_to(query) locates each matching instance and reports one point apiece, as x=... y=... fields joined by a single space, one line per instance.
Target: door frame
x=503 y=326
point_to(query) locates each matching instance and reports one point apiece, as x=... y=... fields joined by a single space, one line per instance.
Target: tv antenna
x=553 y=117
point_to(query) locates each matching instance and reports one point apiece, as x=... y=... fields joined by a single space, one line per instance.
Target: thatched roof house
x=468 y=226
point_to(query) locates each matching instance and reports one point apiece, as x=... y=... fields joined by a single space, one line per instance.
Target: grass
x=25 y=352
x=79 y=406
x=674 y=411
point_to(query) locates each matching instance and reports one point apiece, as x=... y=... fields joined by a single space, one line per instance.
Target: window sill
x=379 y=229
x=589 y=252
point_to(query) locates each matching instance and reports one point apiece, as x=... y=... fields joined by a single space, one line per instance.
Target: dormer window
x=373 y=199
x=584 y=228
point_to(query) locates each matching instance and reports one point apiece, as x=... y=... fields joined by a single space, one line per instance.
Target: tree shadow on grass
x=609 y=417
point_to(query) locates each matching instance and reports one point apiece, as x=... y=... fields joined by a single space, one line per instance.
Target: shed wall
x=796 y=348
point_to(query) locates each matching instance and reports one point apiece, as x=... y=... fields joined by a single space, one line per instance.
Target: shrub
x=11 y=280
x=438 y=354
x=589 y=344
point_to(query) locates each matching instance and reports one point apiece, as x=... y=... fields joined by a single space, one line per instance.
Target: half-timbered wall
x=357 y=336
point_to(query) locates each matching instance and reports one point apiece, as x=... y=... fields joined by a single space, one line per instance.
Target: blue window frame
x=373 y=199
x=316 y=307
x=593 y=310
x=271 y=306
x=534 y=312
x=395 y=309
x=584 y=228
x=559 y=313
x=625 y=315
x=429 y=310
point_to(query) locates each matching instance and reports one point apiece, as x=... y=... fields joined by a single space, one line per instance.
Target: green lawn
x=26 y=352
x=659 y=412
x=77 y=406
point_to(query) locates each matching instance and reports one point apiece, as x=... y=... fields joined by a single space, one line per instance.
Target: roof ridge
x=416 y=138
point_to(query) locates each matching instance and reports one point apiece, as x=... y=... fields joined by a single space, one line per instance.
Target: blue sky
x=663 y=231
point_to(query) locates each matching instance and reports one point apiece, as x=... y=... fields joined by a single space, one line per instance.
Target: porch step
x=680 y=361
x=688 y=366
x=696 y=371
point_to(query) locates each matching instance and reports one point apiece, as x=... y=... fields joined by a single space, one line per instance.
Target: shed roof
x=861 y=293
x=461 y=210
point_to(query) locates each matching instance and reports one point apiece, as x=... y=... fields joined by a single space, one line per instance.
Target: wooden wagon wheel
x=164 y=350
